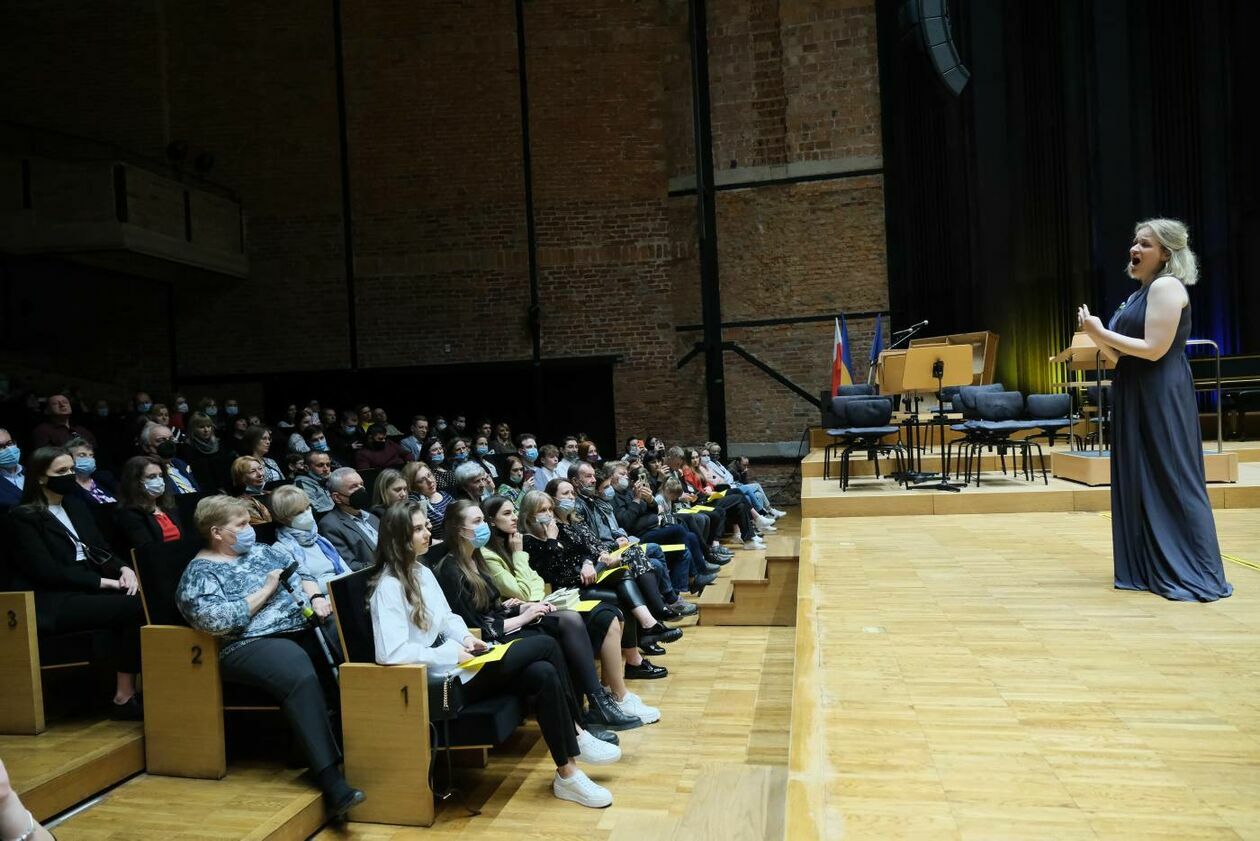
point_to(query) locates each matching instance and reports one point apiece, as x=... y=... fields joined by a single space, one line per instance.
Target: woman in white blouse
x=413 y=623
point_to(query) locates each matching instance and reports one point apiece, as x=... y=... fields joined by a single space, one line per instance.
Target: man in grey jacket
x=350 y=527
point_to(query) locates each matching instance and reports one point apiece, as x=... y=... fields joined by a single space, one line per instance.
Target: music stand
x=936 y=366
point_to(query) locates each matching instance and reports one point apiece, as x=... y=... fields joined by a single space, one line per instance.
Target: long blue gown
x=1162 y=529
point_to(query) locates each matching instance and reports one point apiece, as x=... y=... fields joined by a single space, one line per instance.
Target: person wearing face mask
x=588 y=453
x=298 y=535
x=180 y=410
x=59 y=553
x=515 y=482
x=314 y=482
x=472 y=594
x=481 y=455
x=96 y=487
x=346 y=438
x=297 y=441
x=435 y=457
x=156 y=441
x=231 y=589
x=231 y=408
x=317 y=441
x=146 y=511
x=12 y=477
x=527 y=449
x=210 y=464
x=350 y=527
x=247 y=485
x=712 y=469
x=380 y=452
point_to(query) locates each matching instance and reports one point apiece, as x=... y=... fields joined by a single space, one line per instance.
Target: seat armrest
x=183 y=709
x=22 y=700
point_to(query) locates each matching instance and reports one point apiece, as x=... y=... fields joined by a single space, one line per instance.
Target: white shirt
x=563 y=468
x=399 y=640
x=16 y=476
x=62 y=517
x=542 y=475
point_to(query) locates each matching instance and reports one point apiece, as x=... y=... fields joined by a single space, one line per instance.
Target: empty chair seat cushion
x=489 y=721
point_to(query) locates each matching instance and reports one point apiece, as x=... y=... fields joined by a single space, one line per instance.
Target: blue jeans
x=686 y=563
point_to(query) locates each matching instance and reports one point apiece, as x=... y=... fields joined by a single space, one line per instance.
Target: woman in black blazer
x=57 y=552
x=146 y=509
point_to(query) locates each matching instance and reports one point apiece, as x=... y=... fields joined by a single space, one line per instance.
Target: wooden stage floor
x=979 y=678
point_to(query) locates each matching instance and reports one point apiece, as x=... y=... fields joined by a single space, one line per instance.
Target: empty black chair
x=966 y=399
x=186 y=505
x=485 y=723
x=1001 y=416
x=271 y=486
x=1048 y=413
x=866 y=427
x=830 y=417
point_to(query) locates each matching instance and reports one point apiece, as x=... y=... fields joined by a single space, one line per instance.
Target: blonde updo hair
x=1175 y=238
x=217 y=510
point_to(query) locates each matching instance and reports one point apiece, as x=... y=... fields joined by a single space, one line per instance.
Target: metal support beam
x=347 y=208
x=534 y=313
x=706 y=224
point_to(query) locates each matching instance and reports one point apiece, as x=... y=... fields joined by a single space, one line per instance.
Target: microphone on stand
x=912 y=328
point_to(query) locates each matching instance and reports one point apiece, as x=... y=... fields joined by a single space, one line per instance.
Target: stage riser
x=829 y=502
x=812 y=467
x=1096 y=470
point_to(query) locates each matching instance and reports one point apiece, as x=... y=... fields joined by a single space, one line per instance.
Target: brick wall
x=437 y=191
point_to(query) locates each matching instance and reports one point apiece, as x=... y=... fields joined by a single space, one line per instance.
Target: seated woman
x=79 y=586
x=589 y=453
x=296 y=535
x=481 y=453
x=96 y=487
x=507 y=564
x=211 y=464
x=235 y=435
x=247 y=482
x=257 y=443
x=735 y=506
x=472 y=483
x=514 y=484
x=413 y=623
x=719 y=474
x=390 y=488
x=146 y=509
x=424 y=490
x=565 y=557
x=472 y=595
x=231 y=589
x=435 y=457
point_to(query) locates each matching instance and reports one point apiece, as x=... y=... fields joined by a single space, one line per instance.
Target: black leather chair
x=1048 y=415
x=1001 y=416
x=865 y=425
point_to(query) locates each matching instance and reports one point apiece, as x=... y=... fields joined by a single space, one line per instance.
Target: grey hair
x=338 y=478
x=468 y=471
x=150 y=429
x=1175 y=237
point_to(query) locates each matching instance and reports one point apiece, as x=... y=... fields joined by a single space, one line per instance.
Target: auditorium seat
x=385 y=719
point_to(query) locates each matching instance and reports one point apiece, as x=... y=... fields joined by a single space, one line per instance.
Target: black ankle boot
x=605 y=713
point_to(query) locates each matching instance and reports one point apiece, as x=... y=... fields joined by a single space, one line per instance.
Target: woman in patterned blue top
x=232 y=590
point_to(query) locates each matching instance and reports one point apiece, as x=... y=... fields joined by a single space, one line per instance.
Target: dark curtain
x=1013 y=202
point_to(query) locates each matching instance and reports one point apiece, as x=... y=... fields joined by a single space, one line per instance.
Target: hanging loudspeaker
x=927 y=21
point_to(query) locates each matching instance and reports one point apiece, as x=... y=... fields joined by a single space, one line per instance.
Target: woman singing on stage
x=1162 y=529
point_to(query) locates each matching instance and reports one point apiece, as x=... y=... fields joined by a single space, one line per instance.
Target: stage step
x=254 y=802
x=997 y=494
x=72 y=761
x=762 y=585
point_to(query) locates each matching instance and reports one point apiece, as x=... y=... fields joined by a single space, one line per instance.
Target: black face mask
x=63 y=485
x=360 y=499
x=376 y=445
x=165 y=450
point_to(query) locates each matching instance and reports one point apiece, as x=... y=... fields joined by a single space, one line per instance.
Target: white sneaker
x=769 y=528
x=764 y=523
x=777 y=513
x=633 y=705
x=596 y=752
x=582 y=790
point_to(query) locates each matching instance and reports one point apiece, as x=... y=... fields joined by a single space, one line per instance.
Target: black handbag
x=446 y=697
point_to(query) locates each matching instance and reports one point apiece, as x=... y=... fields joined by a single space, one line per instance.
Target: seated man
x=380 y=452
x=414 y=443
x=350 y=527
x=57 y=429
x=156 y=441
x=380 y=417
x=314 y=482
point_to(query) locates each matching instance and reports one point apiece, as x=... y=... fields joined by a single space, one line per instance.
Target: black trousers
x=119 y=614
x=293 y=669
x=533 y=668
x=579 y=635
x=625 y=593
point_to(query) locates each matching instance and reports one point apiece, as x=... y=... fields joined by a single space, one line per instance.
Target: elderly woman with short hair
x=248 y=481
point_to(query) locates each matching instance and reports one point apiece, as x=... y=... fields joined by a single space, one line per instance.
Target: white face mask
x=304 y=521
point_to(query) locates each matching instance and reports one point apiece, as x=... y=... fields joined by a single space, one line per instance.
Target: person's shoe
x=708 y=567
x=764 y=522
x=720 y=560
x=604 y=712
x=580 y=789
x=653 y=649
x=344 y=803
x=720 y=550
x=768 y=528
x=634 y=705
x=594 y=751
x=645 y=671
x=600 y=733
x=777 y=513
x=704 y=580
x=659 y=633
x=130 y=710
x=685 y=608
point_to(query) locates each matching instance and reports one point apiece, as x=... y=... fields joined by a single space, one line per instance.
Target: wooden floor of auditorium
x=951 y=676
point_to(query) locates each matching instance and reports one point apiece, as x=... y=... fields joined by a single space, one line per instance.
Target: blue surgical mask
x=483 y=450
x=349 y=430
x=103 y=412
x=608 y=492
x=182 y=408
x=566 y=504
x=460 y=457
x=481 y=535
x=437 y=459
x=532 y=454
x=245 y=540
x=623 y=483
x=320 y=446
x=545 y=520
x=143 y=408
x=211 y=411
x=660 y=501
x=85 y=466
x=304 y=521
x=704 y=459
x=232 y=410
x=10 y=456
x=485 y=494
x=155 y=486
